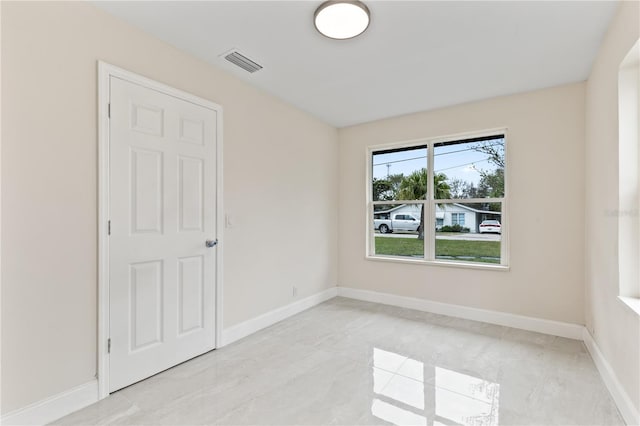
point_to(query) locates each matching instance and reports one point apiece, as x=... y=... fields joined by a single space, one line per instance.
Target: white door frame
x=105 y=72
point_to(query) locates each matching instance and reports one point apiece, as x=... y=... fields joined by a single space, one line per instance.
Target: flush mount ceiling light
x=341 y=19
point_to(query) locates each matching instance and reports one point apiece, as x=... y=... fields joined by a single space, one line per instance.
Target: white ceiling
x=415 y=56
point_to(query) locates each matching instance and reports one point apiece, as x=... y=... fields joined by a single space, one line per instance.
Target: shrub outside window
x=439 y=201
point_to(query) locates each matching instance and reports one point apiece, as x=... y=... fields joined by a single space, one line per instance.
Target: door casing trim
x=105 y=72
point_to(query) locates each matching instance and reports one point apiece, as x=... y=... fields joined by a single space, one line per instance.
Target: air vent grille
x=243 y=62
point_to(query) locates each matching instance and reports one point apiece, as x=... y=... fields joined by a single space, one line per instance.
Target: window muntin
x=467 y=178
x=469 y=243
x=390 y=166
x=397 y=236
x=469 y=168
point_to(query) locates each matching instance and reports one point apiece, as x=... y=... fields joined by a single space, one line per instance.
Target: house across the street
x=446 y=215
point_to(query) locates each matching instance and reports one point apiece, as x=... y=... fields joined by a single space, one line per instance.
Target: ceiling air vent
x=242 y=61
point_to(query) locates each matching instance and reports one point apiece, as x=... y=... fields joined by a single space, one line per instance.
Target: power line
x=466 y=149
x=458 y=166
x=461 y=165
x=399 y=161
x=435 y=155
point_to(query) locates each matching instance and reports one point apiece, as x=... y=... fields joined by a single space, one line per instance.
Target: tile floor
x=347 y=362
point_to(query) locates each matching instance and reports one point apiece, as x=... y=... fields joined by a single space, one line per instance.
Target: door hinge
x=109 y=110
x=109 y=345
x=109 y=227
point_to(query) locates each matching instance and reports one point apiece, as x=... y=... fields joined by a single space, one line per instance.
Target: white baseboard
x=54 y=407
x=628 y=411
x=57 y=406
x=238 y=331
x=555 y=328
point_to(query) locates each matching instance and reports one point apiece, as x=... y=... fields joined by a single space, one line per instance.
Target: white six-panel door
x=162 y=197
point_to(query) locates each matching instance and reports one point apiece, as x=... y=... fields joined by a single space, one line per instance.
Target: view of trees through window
x=468 y=191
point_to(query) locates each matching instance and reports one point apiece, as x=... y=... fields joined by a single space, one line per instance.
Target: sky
x=456 y=161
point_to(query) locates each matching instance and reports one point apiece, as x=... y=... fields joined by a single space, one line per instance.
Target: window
x=628 y=213
x=457 y=218
x=453 y=184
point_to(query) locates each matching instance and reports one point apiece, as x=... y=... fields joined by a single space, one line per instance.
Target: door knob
x=211 y=243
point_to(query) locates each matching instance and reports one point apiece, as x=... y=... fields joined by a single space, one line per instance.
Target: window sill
x=632 y=303
x=447 y=264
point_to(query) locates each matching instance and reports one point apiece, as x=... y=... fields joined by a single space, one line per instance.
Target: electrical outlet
x=295 y=291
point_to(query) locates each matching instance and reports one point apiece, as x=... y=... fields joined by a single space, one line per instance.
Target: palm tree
x=414 y=187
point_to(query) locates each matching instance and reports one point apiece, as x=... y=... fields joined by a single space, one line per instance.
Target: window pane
x=400 y=234
x=468 y=232
x=469 y=169
x=400 y=174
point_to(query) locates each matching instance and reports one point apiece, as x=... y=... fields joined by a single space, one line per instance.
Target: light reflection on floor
x=408 y=392
x=320 y=368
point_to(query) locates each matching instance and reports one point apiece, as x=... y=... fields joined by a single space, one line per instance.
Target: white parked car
x=400 y=222
x=490 y=226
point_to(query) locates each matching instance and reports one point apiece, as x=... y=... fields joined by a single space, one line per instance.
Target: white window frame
x=629 y=180
x=430 y=204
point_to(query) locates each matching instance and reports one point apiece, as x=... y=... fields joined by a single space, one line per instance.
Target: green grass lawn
x=468 y=251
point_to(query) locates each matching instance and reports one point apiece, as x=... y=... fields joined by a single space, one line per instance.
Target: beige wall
x=280 y=172
x=615 y=328
x=545 y=179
